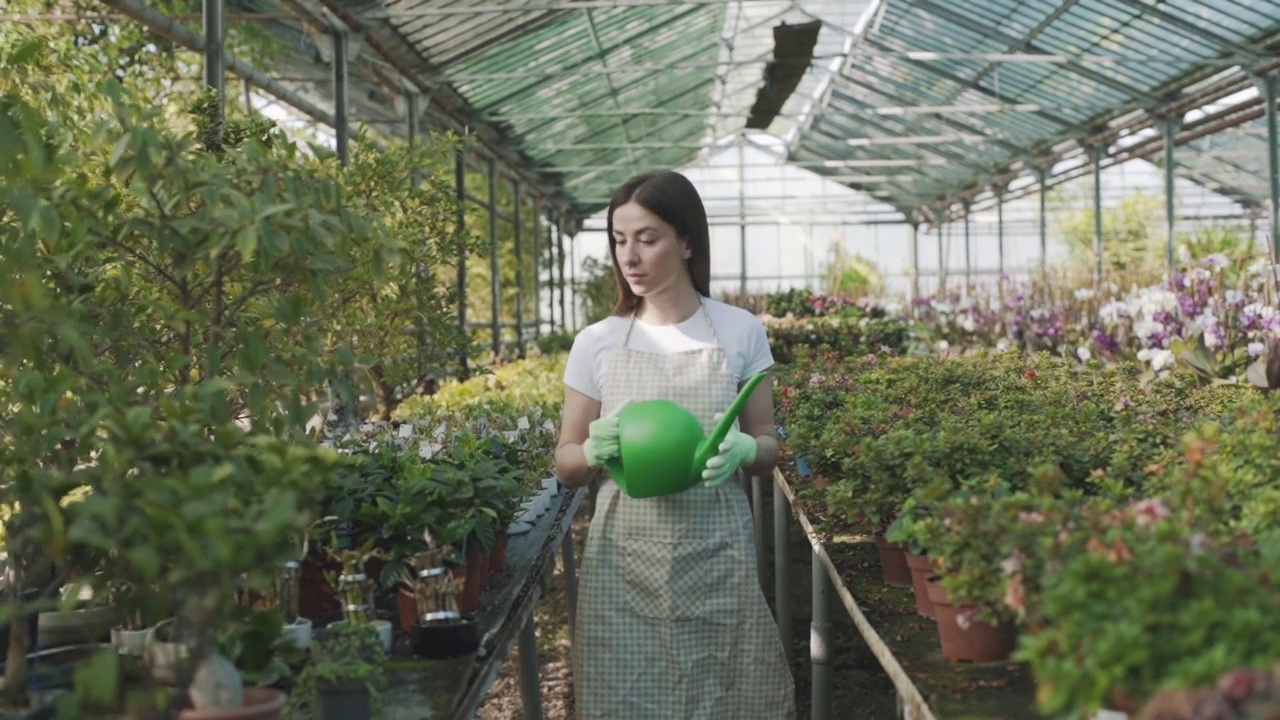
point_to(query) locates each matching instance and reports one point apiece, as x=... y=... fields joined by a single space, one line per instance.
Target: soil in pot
x=922 y=568
x=446 y=639
x=259 y=704
x=978 y=641
x=342 y=700
x=893 y=563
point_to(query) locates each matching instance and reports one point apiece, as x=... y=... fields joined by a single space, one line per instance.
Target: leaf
x=98 y=679
x=25 y=52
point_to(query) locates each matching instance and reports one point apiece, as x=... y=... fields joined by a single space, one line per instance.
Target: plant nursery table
x=440 y=689
x=928 y=686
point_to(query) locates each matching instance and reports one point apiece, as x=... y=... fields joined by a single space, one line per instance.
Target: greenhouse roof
x=924 y=104
x=942 y=99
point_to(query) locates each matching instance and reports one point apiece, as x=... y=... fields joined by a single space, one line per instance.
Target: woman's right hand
x=603 y=439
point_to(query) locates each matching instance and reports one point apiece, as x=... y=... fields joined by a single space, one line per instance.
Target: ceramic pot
x=976 y=641
x=893 y=563
x=259 y=704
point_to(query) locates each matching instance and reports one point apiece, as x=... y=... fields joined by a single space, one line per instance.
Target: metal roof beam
x=623 y=42
x=1192 y=29
x=545 y=6
x=986 y=31
x=613 y=91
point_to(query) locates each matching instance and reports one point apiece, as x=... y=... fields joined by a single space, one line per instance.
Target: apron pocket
x=681 y=580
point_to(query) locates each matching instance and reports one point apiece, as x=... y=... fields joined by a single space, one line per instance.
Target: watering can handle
x=712 y=444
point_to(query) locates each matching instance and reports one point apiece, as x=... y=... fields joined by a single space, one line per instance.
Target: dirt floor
x=861 y=688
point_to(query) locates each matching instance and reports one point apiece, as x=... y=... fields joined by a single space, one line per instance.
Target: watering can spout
x=711 y=445
x=662 y=448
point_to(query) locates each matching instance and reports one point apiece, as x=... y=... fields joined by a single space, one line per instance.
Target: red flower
x=1029 y=374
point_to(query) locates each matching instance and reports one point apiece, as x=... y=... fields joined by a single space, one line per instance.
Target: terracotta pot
x=922 y=568
x=475 y=572
x=406 y=609
x=893 y=563
x=259 y=704
x=979 y=642
x=498 y=555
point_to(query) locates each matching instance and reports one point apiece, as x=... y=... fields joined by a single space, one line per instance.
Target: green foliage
x=1132 y=242
x=345 y=655
x=598 y=290
x=395 y=312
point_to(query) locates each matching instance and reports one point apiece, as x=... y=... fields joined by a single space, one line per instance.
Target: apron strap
x=706 y=315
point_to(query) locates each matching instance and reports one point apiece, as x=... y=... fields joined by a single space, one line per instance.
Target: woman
x=671 y=623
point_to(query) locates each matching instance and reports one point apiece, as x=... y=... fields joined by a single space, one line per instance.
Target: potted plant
x=439 y=629
x=356 y=592
x=345 y=677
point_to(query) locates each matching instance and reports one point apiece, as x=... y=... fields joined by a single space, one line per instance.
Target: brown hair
x=670 y=196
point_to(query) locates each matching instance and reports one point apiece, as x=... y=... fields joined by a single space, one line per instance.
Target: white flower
x=1083 y=353
x=1113 y=311
x=1146 y=328
x=1161 y=359
x=943 y=345
x=1234 y=296
x=1085 y=294
x=1002 y=344
x=967 y=323
x=1255 y=349
x=1144 y=355
x=1199 y=274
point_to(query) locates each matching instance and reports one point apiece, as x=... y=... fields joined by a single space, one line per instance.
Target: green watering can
x=663 y=450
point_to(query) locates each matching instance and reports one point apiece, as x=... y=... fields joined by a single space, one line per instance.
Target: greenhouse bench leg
x=757 y=507
x=820 y=642
x=781 y=568
x=570 y=581
x=530 y=688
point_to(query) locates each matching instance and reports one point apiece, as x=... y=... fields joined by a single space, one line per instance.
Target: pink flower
x=964 y=618
x=1150 y=511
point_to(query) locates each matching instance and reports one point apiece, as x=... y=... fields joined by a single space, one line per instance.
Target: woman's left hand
x=737 y=449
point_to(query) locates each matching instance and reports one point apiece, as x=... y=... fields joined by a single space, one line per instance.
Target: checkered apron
x=671 y=622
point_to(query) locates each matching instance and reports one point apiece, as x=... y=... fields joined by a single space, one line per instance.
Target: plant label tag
x=406 y=431
x=549 y=426
x=366 y=427
x=523 y=424
x=373 y=446
x=440 y=431
x=512 y=435
x=426 y=450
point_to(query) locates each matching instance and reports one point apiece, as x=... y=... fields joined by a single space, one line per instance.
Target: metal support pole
x=570 y=581
x=340 y=131
x=515 y=192
x=820 y=642
x=1269 y=88
x=1097 y=152
x=742 y=220
x=1000 y=232
x=1169 y=126
x=782 y=567
x=530 y=688
x=1042 y=179
x=248 y=97
x=564 y=317
x=412 y=120
x=495 y=286
x=968 y=256
x=757 y=512
x=215 y=72
x=943 y=261
x=915 y=260
x=460 y=187
x=537 y=268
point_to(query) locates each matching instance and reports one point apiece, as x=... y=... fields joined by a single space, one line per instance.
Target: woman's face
x=652 y=257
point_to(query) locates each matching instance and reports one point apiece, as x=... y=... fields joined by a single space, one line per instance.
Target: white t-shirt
x=741 y=335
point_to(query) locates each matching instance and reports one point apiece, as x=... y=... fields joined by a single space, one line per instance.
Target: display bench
x=418 y=689
x=431 y=689
x=928 y=686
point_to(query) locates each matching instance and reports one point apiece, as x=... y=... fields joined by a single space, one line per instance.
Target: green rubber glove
x=737 y=449
x=603 y=439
